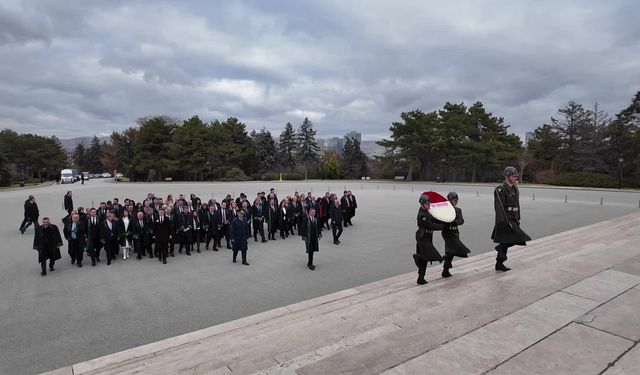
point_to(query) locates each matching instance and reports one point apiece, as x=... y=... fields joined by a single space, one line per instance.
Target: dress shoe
x=79 y=265
x=228 y=247
x=189 y=253
x=98 y=260
x=245 y=263
x=311 y=267
x=164 y=261
x=43 y=273
x=108 y=262
x=234 y=261
x=197 y=251
x=172 y=254
x=93 y=264
x=421 y=281
x=215 y=249
x=336 y=242
x=264 y=240
x=502 y=267
x=138 y=257
x=73 y=261
x=51 y=269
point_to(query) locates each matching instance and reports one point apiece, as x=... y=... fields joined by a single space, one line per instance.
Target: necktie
x=161 y=218
x=223 y=217
x=141 y=224
x=93 y=221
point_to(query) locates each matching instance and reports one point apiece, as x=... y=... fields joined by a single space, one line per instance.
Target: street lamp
x=620 y=160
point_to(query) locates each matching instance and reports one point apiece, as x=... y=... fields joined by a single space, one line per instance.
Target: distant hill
x=371 y=148
x=71 y=143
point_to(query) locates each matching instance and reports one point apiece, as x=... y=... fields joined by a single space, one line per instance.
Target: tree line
x=25 y=157
x=159 y=147
x=579 y=146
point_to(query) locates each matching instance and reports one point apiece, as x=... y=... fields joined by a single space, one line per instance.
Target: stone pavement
x=569 y=306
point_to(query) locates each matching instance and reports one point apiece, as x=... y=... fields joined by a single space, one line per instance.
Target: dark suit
x=257 y=215
x=94 y=245
x=185 y=232
x=77 y=244
x=163 y=231
x=68 y=203
x=345 y=204
x=335 y=212
x=272 y=221
x=47 y=242
x=141 y=238
x=211 y=220
x=226 y=216
x=109 y=238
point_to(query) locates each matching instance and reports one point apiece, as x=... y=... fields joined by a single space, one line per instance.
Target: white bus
x=68 y=176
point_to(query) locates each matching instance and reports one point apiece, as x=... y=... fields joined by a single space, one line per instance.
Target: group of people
x=156 y=226
x=506 y=232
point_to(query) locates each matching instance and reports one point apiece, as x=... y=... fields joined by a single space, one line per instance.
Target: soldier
x=47 y=242
x=507 y=232
x=452 y=244
x=425 y=252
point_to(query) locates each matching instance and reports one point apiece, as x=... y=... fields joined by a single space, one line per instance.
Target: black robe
x=311 y=234
x=47 y=242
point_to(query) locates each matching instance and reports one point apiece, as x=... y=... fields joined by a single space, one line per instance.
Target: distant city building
x=527 y=137
x=335 y=144
x=321 y=144
x=355 y=135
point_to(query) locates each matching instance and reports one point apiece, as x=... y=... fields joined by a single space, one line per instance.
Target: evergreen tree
x=93 y=155
x=78 y=157
x=151 y=157
x=354 y=161
x=307 y=145
x=5 y=174
x=287 y=147
x=265 y=148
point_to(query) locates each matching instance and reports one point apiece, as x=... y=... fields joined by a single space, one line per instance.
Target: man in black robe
x=47 y=242
x=311 y=234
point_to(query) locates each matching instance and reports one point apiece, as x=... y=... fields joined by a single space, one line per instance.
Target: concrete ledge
x=497 y=322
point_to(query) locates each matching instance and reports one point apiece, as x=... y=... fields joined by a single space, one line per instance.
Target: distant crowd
x=154 y=227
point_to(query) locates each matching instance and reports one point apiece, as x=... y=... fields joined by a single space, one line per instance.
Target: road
x=75 y=314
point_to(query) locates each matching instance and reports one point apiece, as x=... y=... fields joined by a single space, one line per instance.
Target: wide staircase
x=570 y=305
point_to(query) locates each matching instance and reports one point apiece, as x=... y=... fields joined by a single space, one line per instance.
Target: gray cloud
x=81 y=68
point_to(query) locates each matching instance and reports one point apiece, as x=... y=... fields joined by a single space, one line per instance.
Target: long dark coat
x=424 y=237
x=47 y=243
x=239 y=234
x=451 y=235
x=311 y=234
x=507 y=209
x=272 y=218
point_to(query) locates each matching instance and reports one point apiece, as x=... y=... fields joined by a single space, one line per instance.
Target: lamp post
x=620 y=160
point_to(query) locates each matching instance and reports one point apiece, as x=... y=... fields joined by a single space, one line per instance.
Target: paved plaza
x=74 y=315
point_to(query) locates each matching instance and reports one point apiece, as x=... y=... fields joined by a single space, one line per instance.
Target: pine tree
x=265 y=148
x=307 y=145
x=287 y=147
x=78 y=157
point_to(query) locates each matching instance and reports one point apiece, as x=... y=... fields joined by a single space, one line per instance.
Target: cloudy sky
x=78 y=68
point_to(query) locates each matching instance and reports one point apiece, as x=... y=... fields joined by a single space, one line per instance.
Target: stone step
x=372 y=327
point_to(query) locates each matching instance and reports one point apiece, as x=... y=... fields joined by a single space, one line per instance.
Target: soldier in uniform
x=507 y=232
x=425 y=251
x=453 y=247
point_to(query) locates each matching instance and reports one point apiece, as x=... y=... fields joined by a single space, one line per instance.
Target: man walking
x=31 y=214
x=68 y=202
x=47 y=242
x=507 y=232
x=335 y=212
x=75 y=232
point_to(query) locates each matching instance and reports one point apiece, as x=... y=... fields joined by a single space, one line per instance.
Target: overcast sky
x=79 y=68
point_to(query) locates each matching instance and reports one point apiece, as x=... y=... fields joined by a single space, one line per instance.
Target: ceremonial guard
x=453 y=247
x=425 y=251
x=507 y=231
x=75 y=232
x=311 y=234
x=47 y=242
x=239 y=236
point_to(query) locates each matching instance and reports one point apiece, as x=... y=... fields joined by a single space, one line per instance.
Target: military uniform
x=453 y=247
x=507 y=231
x=425 y=251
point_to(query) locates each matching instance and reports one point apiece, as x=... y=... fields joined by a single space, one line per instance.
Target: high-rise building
x=355 y=135
x=335 y=144
x=320 y=142
x=527 y=137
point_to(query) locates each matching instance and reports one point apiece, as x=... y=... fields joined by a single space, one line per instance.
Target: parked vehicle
x=106 y=175
x=69 y=176
x=86 y=175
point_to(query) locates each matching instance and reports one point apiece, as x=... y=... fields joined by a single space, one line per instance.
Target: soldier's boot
x=446 y=273
x=447 y=265
x=421 y=273
x=501 y=267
